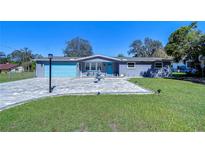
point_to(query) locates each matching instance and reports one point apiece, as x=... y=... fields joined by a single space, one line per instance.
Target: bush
x=158 y=73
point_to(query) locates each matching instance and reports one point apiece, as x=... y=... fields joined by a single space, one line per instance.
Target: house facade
x=108 y=66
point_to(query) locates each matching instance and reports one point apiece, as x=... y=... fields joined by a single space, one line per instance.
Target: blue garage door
x=61 y=70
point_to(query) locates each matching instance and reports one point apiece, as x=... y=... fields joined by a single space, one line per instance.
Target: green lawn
x=179 y=107
x=15 y=76
x=179 y=73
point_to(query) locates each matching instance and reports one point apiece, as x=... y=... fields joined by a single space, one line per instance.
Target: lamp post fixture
x=50 y=56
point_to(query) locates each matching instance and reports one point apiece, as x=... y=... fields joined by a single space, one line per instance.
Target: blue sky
x=107 y=38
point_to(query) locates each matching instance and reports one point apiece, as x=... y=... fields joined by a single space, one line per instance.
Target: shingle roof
x=148 y=59
x=7 y=66
x=58 y=58
x=144 y=59
x=97 y=56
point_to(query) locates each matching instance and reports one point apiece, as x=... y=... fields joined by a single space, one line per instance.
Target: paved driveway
x=18 y=91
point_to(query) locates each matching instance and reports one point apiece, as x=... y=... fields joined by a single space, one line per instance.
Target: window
x=131 y=65
x=99 y=67
x=158 y=65
x=87 y=66
x=93 y=66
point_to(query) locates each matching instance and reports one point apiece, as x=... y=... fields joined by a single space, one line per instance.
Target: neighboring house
x=18 y=69
x=7 y=67
x=108 y=66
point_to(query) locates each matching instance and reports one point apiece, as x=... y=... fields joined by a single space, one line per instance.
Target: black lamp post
x=50 y=56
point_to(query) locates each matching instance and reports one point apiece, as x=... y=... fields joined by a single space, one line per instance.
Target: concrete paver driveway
x=12 y=93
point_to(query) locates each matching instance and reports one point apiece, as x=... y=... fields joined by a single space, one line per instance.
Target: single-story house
x=108 y=66
x=7 y=67
x=18 y=69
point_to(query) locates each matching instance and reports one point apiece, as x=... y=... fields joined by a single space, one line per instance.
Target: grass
x=15 y=76
x=179 y=73
x=179 y=107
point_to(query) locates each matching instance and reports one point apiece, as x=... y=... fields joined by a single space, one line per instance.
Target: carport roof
x=58 y=58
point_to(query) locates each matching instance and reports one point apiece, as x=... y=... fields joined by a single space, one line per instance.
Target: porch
x=90 y=69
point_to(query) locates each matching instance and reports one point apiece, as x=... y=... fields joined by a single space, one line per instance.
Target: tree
x=202 y=44
x=160 y=53
x=120 y=55
x=24 y=57
x=2 y=54
x=78 y=47
x=196 y=47
x=3 y=58
x=37 y=56
x=184 y=42
x=144 y=49
x=21 y=55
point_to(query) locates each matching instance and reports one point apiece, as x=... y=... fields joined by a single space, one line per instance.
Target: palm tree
x=23 y=57
x=26 y=54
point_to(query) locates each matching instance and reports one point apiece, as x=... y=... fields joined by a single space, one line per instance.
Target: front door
x=109 y=68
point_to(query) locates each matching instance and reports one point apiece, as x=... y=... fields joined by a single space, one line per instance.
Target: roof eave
x=96 y=56
x=56 y=60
